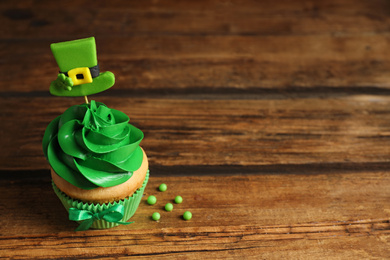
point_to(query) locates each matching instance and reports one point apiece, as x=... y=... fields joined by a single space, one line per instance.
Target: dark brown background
x=270 y=118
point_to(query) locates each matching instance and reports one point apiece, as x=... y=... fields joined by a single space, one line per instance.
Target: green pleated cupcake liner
x=130 y=205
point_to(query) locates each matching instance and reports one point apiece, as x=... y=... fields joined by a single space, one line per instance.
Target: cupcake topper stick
x=79 y=70
x=86 y=100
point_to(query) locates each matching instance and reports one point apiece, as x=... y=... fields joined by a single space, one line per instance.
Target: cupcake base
x=130 y=205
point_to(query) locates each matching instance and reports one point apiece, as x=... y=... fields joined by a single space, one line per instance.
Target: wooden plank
x=350 y=129
x=38 y=20
x=318 y=215
x=180 y=63
x=166 y=47
x=191 y=244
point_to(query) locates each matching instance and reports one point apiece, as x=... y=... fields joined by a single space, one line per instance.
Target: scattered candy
x=169 y=207
x=187 y=215
x=151 y=200
x=178 y=199
x=162 y=187
x=156 y=216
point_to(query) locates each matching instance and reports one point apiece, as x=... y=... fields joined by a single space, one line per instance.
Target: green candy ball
x=163 y=187
x=169 y=207
x=187 y=215
x=151 y=200
x=178 y=199
x=156 y=216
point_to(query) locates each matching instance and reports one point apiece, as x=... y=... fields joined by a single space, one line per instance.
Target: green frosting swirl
x=91 y=145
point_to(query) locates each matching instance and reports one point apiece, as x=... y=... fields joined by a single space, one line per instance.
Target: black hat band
x=95 y=71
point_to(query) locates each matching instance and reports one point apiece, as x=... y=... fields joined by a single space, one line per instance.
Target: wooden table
x=270 y=118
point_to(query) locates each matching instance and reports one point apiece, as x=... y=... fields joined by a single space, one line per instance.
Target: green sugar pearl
x=156 y=216
x=163 y=187
x=169 y=207
x=178 y=199
x=151 y=200
x=187 y=215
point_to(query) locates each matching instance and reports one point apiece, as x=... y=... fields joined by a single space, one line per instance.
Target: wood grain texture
x=297 y=215
x=351 y=129
x=158 y=47
x=26 y=19
x=234 y=62
x=270 y=118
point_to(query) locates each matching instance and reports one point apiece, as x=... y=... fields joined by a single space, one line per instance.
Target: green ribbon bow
x=113 y=214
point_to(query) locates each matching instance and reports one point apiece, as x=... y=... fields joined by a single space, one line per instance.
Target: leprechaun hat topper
x=79 y=70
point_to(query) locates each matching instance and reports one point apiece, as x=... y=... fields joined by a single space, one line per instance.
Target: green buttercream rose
x=91 y=145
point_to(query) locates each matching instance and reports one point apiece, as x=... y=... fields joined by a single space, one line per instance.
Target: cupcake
x=99 y=170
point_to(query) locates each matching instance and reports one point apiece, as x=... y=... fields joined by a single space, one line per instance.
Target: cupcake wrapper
x=130 y=205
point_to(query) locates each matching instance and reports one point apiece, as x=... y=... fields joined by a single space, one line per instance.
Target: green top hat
x=79 y=71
